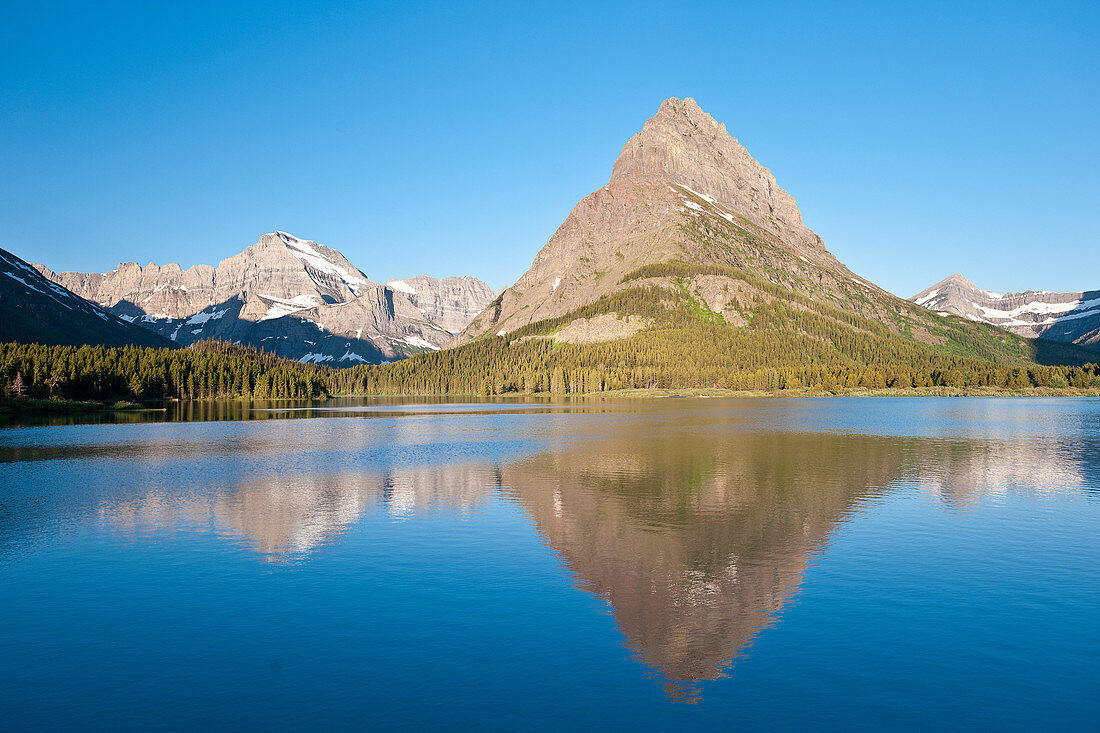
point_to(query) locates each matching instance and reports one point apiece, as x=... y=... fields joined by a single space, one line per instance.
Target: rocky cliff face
x=683 y=144
x=451 y=302
x=1069 y=317
x=288 y=295
x=279 y=267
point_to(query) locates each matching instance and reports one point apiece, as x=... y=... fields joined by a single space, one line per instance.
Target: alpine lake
x=648 y=564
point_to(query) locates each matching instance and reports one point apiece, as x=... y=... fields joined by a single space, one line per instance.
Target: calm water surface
x=901 y=563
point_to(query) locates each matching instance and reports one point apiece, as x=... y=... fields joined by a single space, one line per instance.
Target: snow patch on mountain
x=279 y=307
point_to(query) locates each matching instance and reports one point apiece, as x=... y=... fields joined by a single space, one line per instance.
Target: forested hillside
x=785 y=341
x=208 y=370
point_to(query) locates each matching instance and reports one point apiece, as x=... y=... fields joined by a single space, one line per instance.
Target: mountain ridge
x=683 y=189
x=35 y=309
x=1067 y=317
x=285 y=294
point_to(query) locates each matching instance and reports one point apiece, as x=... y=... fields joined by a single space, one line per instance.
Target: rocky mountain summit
x=684 y=190
x=451 y=302
x=692 y=266
x=1070 y=317
x=33 y=308
x=287 y=295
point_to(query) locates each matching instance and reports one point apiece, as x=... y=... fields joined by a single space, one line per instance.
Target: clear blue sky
x=453 y=138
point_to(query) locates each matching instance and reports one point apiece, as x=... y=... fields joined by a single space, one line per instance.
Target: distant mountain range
x=1070 y=317
x=33 y=308
x=690 y=267
x=290 y=296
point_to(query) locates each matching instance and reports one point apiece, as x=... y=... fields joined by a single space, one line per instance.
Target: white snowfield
x=706 y=197
x=203 y=317
x=304 y=250
x=927 y=298
x=1039 y=308
x=418 y=342
x=403 y=286
x=279 y=307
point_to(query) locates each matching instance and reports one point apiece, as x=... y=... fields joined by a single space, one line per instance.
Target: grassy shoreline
x=63 y=407
x=55 y=407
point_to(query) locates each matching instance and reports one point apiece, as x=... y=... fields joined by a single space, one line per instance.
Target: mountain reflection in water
x=697 y=545
x=695 y=530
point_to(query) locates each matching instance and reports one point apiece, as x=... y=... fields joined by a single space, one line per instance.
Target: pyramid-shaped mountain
x=687 y=202
x=691 y=267
x=682 y=189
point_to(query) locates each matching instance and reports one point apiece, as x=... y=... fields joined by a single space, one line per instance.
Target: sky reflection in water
x=788 y=561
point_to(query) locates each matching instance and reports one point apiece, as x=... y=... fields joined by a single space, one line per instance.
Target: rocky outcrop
x=288 y=295
x=604 y=327
x=1069 y=317
x=450 y=303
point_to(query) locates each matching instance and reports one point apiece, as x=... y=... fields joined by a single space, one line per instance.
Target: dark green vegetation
x=34 y=309
x=210 y=369
x=789 y=342
x=768 y=356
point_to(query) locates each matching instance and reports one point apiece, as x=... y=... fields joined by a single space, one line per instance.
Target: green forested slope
x=786 y=341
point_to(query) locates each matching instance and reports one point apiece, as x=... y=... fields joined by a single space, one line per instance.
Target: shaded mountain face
x=689 y=211
x=451 y=302
x=290 y=296
x=33 y=309
x=1070 y=317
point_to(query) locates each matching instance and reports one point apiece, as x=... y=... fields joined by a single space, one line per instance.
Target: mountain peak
x=958 y=279
x=676 y=106
x=682 y=144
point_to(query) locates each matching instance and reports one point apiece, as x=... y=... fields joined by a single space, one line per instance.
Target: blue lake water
x=896 y=563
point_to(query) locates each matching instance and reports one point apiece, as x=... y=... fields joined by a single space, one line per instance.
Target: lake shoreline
x=74 y=407
x=69 y=407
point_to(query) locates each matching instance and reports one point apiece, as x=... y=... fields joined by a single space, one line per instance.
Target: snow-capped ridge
x=1072 y=317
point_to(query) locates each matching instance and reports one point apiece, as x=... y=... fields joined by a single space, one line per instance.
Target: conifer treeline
x=791 y=342
x=761 y=357
x=208 y=369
